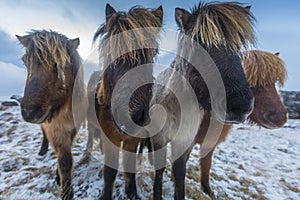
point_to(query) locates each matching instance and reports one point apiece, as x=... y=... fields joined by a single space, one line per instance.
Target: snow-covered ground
x=252 y=163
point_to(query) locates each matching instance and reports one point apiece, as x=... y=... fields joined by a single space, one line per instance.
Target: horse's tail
x=146 y=142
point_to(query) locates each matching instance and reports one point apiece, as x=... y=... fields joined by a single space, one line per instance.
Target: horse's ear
x=75 y=43
x=277 y=53
x=158 y=12
x=109 y=11
x=182 y=18
x=24 y=40
x=247 y=8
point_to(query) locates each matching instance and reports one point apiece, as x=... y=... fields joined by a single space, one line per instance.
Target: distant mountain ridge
x=291 y=100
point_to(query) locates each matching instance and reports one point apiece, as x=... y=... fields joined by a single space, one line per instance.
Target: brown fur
x=53 y=64
x=268 y=112
x=139 y=28
x=232 y=28
x=263 y=68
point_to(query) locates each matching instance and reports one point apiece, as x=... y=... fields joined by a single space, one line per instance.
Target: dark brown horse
x=128 y=43
x=51 y=94
x=263 y=70
x=212 y=34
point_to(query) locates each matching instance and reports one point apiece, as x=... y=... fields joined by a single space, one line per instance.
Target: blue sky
x=277 y=28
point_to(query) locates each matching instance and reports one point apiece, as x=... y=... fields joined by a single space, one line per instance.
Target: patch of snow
x=253 y=163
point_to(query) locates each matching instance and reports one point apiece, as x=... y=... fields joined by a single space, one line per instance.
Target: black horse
x=208 y=58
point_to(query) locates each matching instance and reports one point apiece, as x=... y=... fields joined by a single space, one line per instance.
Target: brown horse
x=210 y=39
x=51 y=94
x=128 y=43
x=262 y=70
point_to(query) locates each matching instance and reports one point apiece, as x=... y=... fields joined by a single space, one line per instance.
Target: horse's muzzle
x=34 y=114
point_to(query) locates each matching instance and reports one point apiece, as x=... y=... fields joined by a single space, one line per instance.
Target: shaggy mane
x=137 y=19
x=223 y=24
x=49 y=46
x=262 y=68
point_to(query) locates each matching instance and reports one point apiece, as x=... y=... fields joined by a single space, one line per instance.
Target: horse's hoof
x=43 y=151
x=105 y=197
x=57 y=178
x=86 y=158
x=69 y=196
x=134 y=197
x=210 y=193
x=158 y=198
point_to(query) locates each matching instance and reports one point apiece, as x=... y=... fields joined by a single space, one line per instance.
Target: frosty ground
x=252 y=163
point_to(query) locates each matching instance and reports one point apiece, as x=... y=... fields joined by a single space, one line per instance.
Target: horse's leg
x=98 y=135
x=160 y=152
x=57 y=178
x=205 y=161
x=111 y=163
x=130 y=146
x=65 y=166
x=179 y=171
x=45 y=143
x=91 y=131
x=204 y=166
x=62 y=143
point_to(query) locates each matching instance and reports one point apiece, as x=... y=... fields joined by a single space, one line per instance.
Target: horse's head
x=129 y=40
x=222 y=29
x=263 y=70
x=50 y=76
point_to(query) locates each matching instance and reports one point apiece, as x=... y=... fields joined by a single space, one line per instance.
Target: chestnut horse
x=51 y=93
x=262 y=70
x=128 y=43
x=212 y=34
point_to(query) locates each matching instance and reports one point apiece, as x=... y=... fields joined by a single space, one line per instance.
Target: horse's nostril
x=137 y=116
x=140 y=117
x=277 y=118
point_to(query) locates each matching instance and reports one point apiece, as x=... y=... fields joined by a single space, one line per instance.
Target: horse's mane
x=262 y=68
x=49 y=46
x=228 y=24
x=52 y=48
x=137 y=19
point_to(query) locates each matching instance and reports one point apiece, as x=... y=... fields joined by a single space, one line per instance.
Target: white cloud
x=81 y=19
x=12 y=79
x=18 y=18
